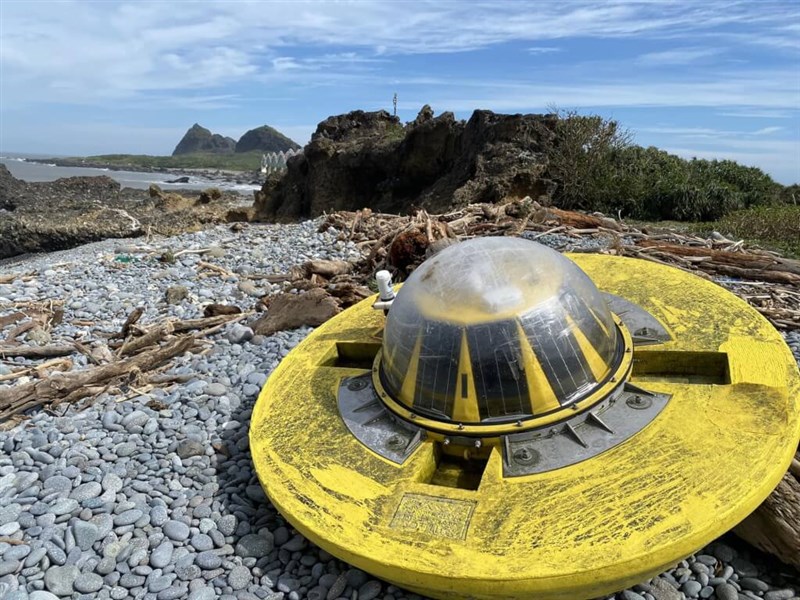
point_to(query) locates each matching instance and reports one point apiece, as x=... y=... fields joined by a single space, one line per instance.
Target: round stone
x=254 y=545
x=201 y=542
x=227 y=524
x=9 y=566
x=85 y=491
x=64 y=506
x=42 y=595
x=58 y=483
x=85 y=534
x=208 y=560
x=162 y=555
x=691 y=588
x=87 y=583
x=128 y=517
x=176 y=531
x=239 y=577
x=60 y=580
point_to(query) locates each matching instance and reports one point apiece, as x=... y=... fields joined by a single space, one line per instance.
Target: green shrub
x=775 y=226
x=597 y=168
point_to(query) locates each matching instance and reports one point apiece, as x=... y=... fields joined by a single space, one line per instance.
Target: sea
x=21 y=168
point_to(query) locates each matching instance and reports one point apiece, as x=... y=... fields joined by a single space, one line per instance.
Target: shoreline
x=214 y=174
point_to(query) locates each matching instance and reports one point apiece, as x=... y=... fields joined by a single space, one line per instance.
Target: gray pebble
x=208 y=560
x=60 y=580
x=86 y=491
x=176 y=531
x=203 y=593
x=128 y=517
x=255 y=545
x=691 y=588
x=239 y=577
x=87 y=583
x=9 y=566
x=786 y=594
x=753 y=584
x=37 y=595
x=162 y=555
x=85 y=534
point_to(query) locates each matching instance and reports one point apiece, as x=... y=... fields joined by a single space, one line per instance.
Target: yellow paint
x=709 y=459
x=410 y=380
x=465 y=408
x=543 y=398
x=597 y=365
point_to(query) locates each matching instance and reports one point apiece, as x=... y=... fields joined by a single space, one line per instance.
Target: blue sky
x=701 y=78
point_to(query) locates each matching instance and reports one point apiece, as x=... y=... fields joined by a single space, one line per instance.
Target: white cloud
x=763 y=88
x=79 y=51
x=768 y=130
x=543 y=49
x=677 y=56
x=756 y=113
x=708 y=132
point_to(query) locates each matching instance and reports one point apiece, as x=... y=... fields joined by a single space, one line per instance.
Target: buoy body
x=446 y=491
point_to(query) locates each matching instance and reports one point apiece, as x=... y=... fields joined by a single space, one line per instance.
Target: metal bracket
x=368 y=420
x=583 y=436
x=645 y=328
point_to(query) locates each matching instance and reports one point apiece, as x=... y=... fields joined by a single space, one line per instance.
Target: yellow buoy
x=525 y=425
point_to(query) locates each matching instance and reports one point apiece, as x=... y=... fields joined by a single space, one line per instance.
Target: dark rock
x=200 y=139
x=68 y=212
x=189 y=448
x=265 y=139
x=369 y=159
x=184 y=179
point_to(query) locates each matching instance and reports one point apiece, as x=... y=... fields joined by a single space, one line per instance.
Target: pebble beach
x=153 y=496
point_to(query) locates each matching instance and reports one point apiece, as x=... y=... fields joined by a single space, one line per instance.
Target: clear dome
x=494 y=330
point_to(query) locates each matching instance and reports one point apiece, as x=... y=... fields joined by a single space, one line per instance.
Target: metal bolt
x=395 y=442
x=478 y=443
x=461 y=426
x=355 y=385
x=639 y=403
x=525 y=455
x=446 y=442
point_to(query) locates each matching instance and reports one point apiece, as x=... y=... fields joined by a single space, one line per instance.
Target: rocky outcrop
x=54 y=215
x=369 y=159
x=265 y=139
x=200 y=139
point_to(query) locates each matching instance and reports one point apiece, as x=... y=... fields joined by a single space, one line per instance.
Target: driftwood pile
x=769 y=282
x=128 y=363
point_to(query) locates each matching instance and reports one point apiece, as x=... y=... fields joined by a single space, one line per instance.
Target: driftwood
x=132 y=319
x=37 y=351
x=289 y=311
x=400 y=243
x=67 y=387
x=216 y=310
x=775 y=525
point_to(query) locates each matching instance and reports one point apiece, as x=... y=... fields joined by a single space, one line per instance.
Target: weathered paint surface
x=705 y=463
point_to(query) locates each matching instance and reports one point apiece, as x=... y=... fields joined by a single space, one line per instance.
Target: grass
x=774 y=227
x=245 y=161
